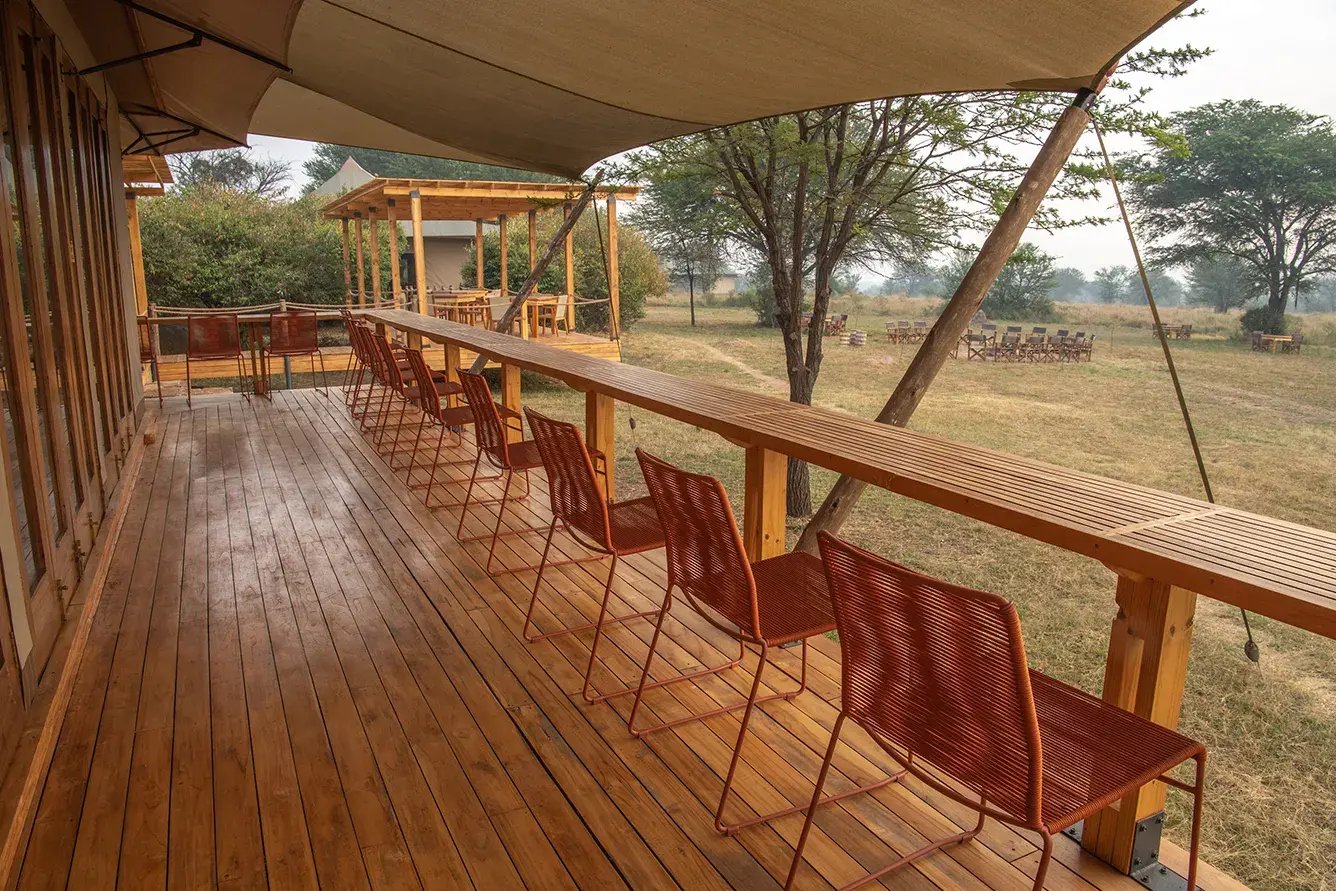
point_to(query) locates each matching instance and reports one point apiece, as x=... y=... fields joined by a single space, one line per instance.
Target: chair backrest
x=213 y=336
x=1186 y=329
x=1079 y=335
x=705 y=555
x=488 y=428
x=1013 y=329
x=939 y=670
x=920 y=324
x=292 y=330
x=1038 y=330
x=988 y=327
x=146 y=351
x=572 y=485
x=386 y=366
x=428 y=398
x=1062 y=332
x=903 y=323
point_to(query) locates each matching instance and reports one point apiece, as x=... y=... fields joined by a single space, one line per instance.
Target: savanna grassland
x=1267 y=424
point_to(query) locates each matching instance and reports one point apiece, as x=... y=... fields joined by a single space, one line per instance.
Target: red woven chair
x=777 y=601
x=450 y=419
x=293 y=332
x=936 y=674
x=214 y=337
x=148 y=353
x=617 y=529
x=491 y=425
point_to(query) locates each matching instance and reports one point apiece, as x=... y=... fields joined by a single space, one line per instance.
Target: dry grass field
x=1268 y=427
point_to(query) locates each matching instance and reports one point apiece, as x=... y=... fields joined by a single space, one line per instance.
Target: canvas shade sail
x=556 y=85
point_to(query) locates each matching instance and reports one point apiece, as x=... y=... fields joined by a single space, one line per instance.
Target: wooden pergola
x=361 y=211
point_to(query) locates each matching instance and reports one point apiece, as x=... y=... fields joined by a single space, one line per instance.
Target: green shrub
x=1266 y=319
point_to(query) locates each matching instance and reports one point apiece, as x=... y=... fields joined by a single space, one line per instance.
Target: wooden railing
x=1165 y=548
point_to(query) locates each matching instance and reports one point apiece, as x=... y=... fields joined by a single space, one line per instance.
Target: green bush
x=1266 y=319
x=214 y=247
x=642 y=276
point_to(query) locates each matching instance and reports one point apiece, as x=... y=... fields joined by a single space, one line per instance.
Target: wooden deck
x=297 y=676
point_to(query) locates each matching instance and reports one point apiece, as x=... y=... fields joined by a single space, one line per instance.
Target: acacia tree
x=236 y=170
x=1221 y=283
x=683 y=220
x=1251 y=182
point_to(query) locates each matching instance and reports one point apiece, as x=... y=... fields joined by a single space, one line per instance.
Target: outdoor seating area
x=1261 y=342
x=1011 y=344
x=1172 y=332
x=405 y=409
x=903 y=331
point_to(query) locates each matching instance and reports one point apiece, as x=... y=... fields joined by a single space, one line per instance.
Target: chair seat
x=213 y=354
x=1094 y=753
x=792 y=598
x=443 y=388
x=635 y=526
x=524 y=455
x=290 y=351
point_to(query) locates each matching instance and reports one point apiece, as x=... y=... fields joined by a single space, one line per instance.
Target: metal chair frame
x=659 y=475
x=572 y=477
x=229 y=325
x=285 y=321
x=148 y=353
x=1002 y=716
x=448 y=418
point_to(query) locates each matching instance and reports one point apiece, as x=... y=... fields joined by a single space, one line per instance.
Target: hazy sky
x=1277 y=51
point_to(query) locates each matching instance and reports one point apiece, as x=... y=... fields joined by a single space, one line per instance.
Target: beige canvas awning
x=559 y=84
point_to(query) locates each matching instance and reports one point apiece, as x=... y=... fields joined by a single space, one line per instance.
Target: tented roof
x=556 y=85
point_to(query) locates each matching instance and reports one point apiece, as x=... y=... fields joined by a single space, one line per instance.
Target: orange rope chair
x=214 y=337
x=434 y=411
x=936 y=674
x=770 y=603
x=295 y=332
x=616 y=528
x=491 y=428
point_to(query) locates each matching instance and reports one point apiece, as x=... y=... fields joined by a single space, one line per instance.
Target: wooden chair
x=1008 y=347
x=148 y=353
x=936 y=674
x=1257 y=344
x=607 y=528
x=836 y=323
x=1295 y=344
x=491 y=426
x=294 y=332
x=901 y=331
x=214 y=337
x=1185 y=332
x=976 y=346
x=920 y=332
x=1087 y=348
x=768 y=604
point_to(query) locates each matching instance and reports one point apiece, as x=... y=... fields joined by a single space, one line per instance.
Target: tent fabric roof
x=446 y=199
x=556 y=85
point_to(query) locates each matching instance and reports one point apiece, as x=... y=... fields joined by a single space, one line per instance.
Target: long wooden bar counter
x=1165 y=548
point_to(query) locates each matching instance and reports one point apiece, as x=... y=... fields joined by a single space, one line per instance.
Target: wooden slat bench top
x=1283 y=570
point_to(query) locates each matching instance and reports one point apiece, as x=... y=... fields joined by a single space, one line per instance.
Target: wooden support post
x=361 y=262
x=510 y=398
x=1145 y=674
x=419 y=251
x=347 y=266
x=763 y=503
x=136 y=253
x=452 y=363
x=375 y=258
x=600 y=434
x=533 y=239
x=396 y=285
x=614 y=272
x=478 y=253
x=570 y=269
x=501 y=229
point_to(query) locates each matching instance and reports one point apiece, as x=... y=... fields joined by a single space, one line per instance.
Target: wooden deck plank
x=330 y=691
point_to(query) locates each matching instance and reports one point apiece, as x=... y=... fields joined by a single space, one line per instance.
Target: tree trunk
x=691 y=296
x=945 y=333
x=789 y=312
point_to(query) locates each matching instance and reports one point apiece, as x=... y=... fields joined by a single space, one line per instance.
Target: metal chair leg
x=189 y=401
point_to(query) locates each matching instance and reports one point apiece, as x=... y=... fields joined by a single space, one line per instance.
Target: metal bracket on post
x=1146 y=866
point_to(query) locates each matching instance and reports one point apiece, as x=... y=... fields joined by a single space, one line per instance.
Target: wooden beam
x=136 y=254
x=533 y=238
x=570 y=268
x=452 y=363
x=600 y=434
x=419 y=253
x=347 y=267
x=510 y=398
x=501 y=225
x=955 y=318
x=614 y=272
x=1145 y=674
x=361 y=262
x=375 y=259
x=763 y=503
x=396 y=285
x=478 y=255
